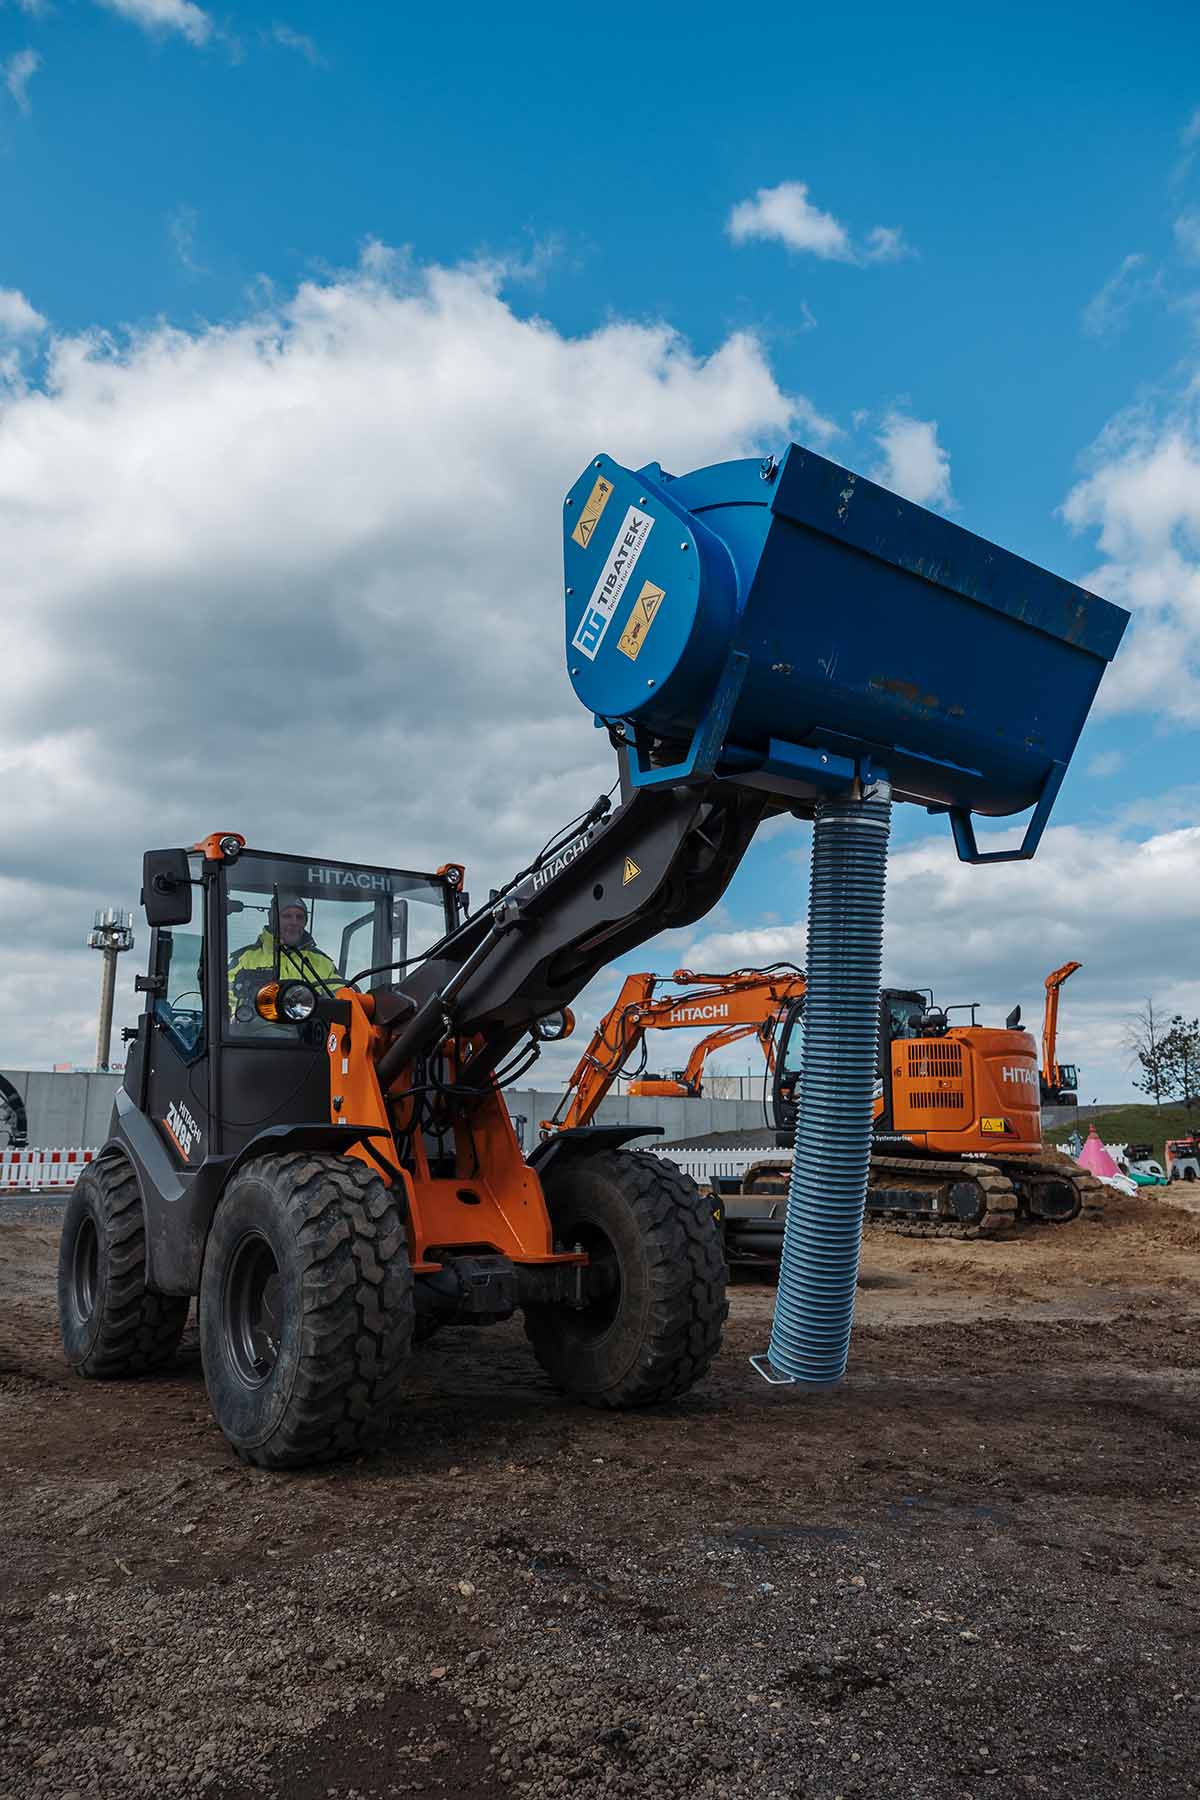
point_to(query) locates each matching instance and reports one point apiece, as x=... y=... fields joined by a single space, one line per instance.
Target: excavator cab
x=904 y=1014
x=956 y=1121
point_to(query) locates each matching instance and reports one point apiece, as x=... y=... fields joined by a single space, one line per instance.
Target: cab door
x=174 y=1041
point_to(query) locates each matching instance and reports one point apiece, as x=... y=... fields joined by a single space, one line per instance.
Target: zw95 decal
x=182 y=1129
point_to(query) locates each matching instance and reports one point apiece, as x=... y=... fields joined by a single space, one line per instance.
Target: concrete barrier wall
x=678 y=1118
x=68 y=1110
x=75 y=1110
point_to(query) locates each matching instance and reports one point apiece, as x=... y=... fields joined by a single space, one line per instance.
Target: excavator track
x=1009 y=1192
x=941 y=1197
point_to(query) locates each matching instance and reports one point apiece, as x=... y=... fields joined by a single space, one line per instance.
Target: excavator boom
x=743 y=1002
x=1052 y=1076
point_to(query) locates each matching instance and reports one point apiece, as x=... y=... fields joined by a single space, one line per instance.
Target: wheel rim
x=594 y=1319
x=253 y=1311
x=85 y=1268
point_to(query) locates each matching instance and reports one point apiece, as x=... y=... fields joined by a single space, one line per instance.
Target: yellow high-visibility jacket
x=253 y=966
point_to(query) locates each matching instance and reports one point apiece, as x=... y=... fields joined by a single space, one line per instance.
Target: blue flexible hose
x=814 y=1306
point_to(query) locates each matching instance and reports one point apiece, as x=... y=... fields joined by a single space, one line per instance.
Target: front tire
x=306 y=1310
x=655 y=1328
x=110 y=1322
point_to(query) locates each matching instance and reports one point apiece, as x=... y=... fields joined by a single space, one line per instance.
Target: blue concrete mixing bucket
x=791 y=625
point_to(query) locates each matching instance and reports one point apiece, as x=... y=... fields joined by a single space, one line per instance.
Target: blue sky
x=991 y=229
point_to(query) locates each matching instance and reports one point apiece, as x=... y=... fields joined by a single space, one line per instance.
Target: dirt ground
x=969 y=1571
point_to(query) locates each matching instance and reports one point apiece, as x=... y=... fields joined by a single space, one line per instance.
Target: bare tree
x=1144 y=1034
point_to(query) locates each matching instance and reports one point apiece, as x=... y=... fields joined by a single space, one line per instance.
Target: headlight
x=555 y=1025
x=297 y=1002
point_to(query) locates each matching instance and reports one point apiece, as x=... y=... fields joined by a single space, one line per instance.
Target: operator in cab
x=299 y=960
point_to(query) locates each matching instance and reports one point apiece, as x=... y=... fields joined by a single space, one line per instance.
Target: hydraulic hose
x=814 y=1307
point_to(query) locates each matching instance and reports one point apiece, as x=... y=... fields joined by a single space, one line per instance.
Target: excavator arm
x=1054 y=981
x=745 y=1001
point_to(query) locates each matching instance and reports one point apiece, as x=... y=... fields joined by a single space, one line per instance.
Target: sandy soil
x=971 y=1570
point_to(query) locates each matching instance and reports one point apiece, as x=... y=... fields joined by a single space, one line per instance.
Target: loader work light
x=553 y=1026
x=297 y=1002
x=266 y=1002
x=285 y=1002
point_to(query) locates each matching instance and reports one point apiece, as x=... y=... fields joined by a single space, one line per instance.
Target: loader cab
x=211 y=1065
x=904 y=1013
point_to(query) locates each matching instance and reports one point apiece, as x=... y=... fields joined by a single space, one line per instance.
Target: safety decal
x=628 y=545
x=631 y=872
x=589 y=518
x=640 y=620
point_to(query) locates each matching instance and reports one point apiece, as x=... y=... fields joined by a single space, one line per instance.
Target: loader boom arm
x=659 y=860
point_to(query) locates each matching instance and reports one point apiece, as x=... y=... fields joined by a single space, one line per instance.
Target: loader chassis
x=338 y=1182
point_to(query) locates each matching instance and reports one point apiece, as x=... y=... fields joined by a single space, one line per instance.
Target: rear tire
x=306 y=1310
x=110 y=1322
x=656 y=1332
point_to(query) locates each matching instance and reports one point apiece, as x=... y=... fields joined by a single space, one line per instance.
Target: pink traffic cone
x=1095 y=1158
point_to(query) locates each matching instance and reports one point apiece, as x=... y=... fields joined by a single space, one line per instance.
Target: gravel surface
x=970 y=1571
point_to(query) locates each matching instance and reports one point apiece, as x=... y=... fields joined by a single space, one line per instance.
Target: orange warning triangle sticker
x=583 y=531
x=631 y=872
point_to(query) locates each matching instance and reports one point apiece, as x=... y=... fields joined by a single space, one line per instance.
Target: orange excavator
x=744 y=1003
x=688 y=1083
x=1060 y=1081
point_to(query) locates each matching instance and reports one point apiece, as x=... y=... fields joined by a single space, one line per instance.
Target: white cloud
x=993 y=934
x=1106 y=762
x=301 y=577
x=1187 y=234
x=165 y=15
x=17 y=71
x=1191 y=131
x=181 y=232
x=786 y=215
x=297 y=41
x=885 y=243
x=1109 y=308
x=914 y=463
x=17 y=317
x=1143 y=499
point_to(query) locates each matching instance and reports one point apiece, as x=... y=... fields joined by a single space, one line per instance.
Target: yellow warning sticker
x=589 y=518
x=631 y=872
x=997 y=1127
x=640 y=620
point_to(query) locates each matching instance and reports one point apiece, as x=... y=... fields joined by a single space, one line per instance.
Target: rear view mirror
x=166 y=887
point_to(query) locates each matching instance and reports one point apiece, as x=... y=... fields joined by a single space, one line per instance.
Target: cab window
x=180 y=1011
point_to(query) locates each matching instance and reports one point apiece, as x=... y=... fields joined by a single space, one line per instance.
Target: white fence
x=726 y=1163
x=21 y=1170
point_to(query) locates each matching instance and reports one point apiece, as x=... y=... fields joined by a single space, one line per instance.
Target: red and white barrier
x=21 y=1170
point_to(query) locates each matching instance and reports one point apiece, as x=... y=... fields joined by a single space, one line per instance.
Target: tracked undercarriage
x=945 y=1197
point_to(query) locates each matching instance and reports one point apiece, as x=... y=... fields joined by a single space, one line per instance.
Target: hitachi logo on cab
x=1020 y=1074
x=363 y=879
